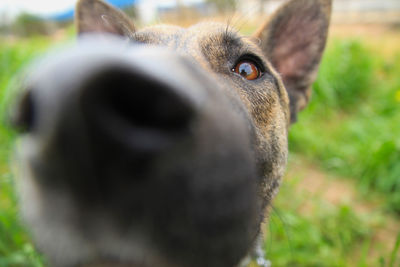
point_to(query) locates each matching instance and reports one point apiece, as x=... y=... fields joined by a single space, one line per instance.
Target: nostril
x=144 y=103
x=23 y=118
x=131 y=106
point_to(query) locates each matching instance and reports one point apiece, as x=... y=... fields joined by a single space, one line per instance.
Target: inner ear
x=96 y=16
x=294 y=40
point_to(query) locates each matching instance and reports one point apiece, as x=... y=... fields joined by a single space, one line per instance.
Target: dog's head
x=163 y=147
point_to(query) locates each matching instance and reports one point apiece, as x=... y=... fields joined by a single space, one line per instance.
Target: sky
x=39 y=7
x=49 y=7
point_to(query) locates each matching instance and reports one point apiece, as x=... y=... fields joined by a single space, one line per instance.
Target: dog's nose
x=139 y=104
x=122 y=104
x=146 y=150
x=134 y=110
x=107 y=107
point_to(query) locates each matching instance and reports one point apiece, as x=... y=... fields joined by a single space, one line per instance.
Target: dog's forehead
x=212 y=44
x=160 y=35
x=213 y=29
x=198 y=34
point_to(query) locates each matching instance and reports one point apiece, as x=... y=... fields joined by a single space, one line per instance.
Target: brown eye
x=247 y=69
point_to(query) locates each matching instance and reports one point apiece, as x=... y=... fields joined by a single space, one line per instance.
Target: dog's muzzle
x=135 y=155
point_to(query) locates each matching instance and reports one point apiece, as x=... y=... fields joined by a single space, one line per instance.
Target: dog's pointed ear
x=96 y=16
x=294 y=40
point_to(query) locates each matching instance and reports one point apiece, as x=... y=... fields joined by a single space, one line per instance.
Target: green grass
x=15 y=246
x=352 y=125
x=324 y=235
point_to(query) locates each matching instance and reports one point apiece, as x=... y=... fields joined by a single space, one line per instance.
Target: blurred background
x=340 y=202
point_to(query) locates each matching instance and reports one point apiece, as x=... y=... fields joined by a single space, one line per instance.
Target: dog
x=163 y=146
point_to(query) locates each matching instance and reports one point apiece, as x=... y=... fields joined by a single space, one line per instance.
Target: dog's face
x=164 y=150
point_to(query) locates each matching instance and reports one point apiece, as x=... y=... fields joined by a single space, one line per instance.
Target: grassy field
x=352 y=125
x=15 y=247
x=351 y=129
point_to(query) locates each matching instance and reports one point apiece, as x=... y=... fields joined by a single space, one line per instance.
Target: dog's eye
x=248 y=69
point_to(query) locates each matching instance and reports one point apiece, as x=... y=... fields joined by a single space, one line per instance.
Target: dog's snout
x=160 y=158
x=134 y=109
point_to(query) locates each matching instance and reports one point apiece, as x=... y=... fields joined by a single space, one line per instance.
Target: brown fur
x=237 y=135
